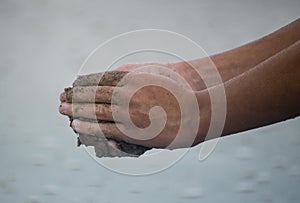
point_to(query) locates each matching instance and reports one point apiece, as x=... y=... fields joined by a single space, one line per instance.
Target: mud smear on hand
x=103 y=146
x=110 y=78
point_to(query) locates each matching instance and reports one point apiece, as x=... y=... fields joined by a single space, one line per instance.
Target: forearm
x=238 y=60
x=267 y=93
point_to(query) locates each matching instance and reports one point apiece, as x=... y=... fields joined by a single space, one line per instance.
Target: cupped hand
x=142 y=108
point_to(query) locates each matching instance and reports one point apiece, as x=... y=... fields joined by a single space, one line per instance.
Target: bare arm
x=262 y=86
x=267 y=93
x=238 y=60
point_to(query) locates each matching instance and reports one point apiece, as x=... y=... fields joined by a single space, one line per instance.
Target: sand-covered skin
x=106 y=148
x=100 y=84
x=110 y=78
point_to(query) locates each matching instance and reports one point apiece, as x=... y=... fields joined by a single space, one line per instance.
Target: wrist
x=212 y=70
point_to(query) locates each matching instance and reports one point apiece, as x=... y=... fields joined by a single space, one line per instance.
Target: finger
x=63 y=97
x=68 y=92
x=88 y=111
x=109 y=130
x=109 y=78
x=64 y=109
x=92 y=111
x=90 y=94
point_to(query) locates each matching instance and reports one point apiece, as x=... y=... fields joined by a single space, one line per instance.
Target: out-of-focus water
x=43 y=44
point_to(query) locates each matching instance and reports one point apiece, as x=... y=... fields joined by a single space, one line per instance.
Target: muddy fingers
x=87 y=111
x=110 y=148
x=89 y=94
x=109 y=78
x=88 y=105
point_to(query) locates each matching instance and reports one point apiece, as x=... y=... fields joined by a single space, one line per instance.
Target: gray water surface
x=43 y=44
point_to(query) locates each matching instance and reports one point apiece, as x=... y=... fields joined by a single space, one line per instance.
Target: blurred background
x=43 y=44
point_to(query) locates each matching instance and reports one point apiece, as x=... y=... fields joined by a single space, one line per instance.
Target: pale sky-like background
x=42 y=46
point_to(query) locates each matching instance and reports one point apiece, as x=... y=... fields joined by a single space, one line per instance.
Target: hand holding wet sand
x=261 y=81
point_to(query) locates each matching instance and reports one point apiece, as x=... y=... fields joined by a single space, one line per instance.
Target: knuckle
x=102 y=110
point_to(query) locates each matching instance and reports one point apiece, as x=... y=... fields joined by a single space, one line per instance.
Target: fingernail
x=63 y=97
x=63 y=107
